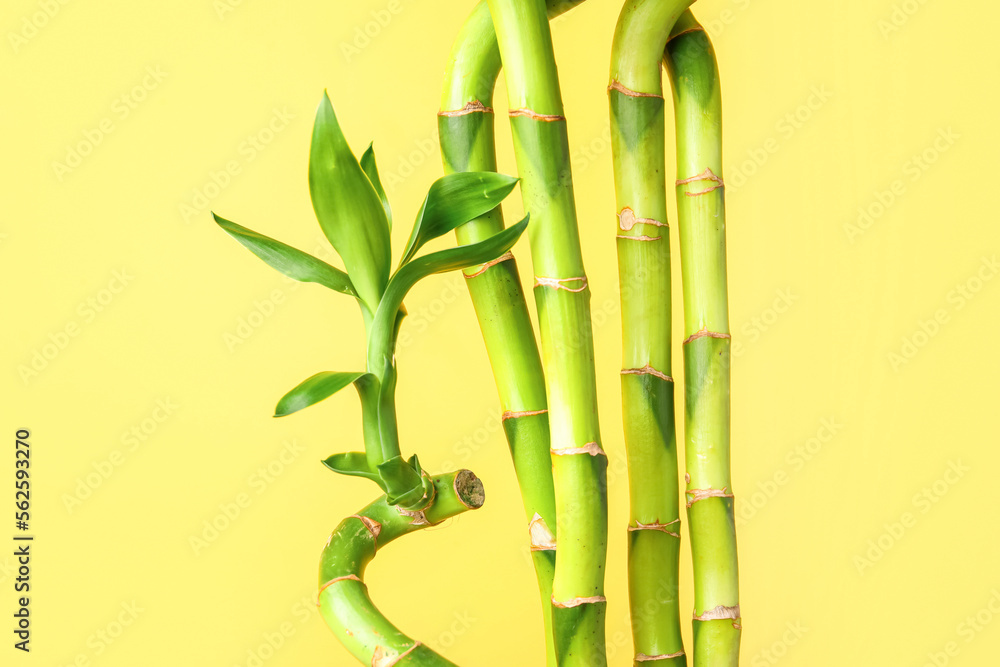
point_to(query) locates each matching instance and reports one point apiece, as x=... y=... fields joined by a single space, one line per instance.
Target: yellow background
x=881 y=92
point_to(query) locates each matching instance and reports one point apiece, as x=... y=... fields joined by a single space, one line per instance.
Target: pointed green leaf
x=403 y=485
x=313 y=390
x=454 y=200
x=355 y=464
x=347 y=207
x=415 y=464
x=288 y=260
x=438 y=262
x=371 y=171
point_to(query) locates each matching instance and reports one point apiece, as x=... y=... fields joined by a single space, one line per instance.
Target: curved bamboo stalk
x=694 y=77
x=344 y=602
x=642 y=233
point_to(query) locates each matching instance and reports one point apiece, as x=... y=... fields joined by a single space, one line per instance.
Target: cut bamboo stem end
x=647 y=370
x=542 y=538
x=627 y=220
x=383 y=659
x=577 y=602
x=719 y=613
x=557 y=283
x=513 y=414
x=615 y=85
x=695 y=495
x=702 y=333
x=474 y=106
x=346 y=577
x=493 y=262
x=591 y=448
x=469 y=490
x=662 y=527
x=642 y=657
x=544 y=117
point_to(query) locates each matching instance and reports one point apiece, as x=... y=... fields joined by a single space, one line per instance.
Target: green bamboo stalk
x=344 y=602
x=466 y=133
x=579 y=464
x=694 y=77
x=637 y=141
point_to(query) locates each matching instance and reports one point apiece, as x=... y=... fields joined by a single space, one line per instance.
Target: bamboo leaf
x=403 y=485
x=347 y=207
x=454 y=200
x=288 y=260
x=354 y=464
x=313 y=390
x=371 y=171
x=438 y=262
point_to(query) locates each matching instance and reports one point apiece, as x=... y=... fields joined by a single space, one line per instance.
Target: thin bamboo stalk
x=694 y=77
x=579 y=464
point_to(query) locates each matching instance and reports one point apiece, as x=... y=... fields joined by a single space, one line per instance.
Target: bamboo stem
x=344 y=602
x=466 y=133
x=637 y=139
x=694 y=77
x=579 y=465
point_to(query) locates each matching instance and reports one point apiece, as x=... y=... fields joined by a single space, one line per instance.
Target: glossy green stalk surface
x=466 y=132
x=637 y=139
x=562 y=297
x=344 y=602
x=694 y=77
